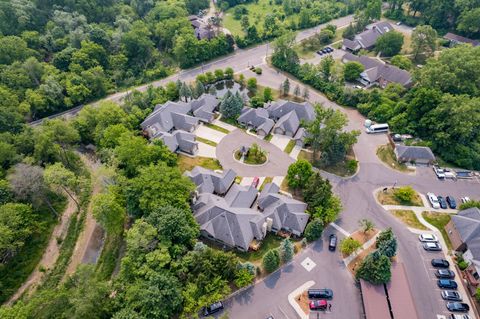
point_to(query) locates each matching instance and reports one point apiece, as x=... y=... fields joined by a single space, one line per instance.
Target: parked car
x=432 y=246
x=324 y=51
x=440 y=172
x=319 y=52
x=465 y=199
x=456 y=316
x=433 y=200
x=399 y=23
x=451 y=295
x=428 y=238
x=440 y=263
x=270 y=317
x=444 y=273
x=451 y=202
x=332 y=244
x=320 y=293
x=447 y=284
x=318 y=304
x=255 y=182
x=456 y=306
x=329 y=49
x=442 y=202
x=213 y=308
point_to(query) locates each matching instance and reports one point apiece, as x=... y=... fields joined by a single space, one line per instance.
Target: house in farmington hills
x=288 y=116
x=458 y=39
x=367 y=39
x=378 y=73
x=236 y=215
x=464 y=233
x=174 y=122
x=414 y=154
x=202 y=29
x=256 y=119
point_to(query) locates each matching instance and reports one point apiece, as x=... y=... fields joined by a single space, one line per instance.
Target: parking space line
x=283 y=312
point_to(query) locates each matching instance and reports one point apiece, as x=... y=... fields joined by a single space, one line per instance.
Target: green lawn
x=217 y=128
x=439 y=220
x=271 y=241
x=389 y=198
x=385 y=154
x=186 y=163
x=268 y=137
x=265 y=182
x=288 y=149
x=339 y=168
x=256 y=14
x=205 y=141
x=409 y=218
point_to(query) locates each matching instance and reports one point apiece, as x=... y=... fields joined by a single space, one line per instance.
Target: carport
x=393 y=300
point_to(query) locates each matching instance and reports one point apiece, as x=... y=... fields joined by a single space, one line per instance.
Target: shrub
x=352 y=165
x=271 y=260
x=252 y=84
x=229 y=73
x=404 y=194
x=258 y=70
x=314 y=230
x=243 y=277
x=463 y=265
x=219 y=74
x=349 y=245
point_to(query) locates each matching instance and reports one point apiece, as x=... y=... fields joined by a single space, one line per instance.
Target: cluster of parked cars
x=318 y=298
x=326 y=50
x=445 y=280
x=438 y=202
x=430 y=242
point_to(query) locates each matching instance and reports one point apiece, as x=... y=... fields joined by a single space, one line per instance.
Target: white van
x=377 y=128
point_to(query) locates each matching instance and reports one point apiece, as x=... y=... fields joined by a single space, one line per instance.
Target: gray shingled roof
x=374 y=70
x=352 y=45
x=288 y=123
x=412 y=153
x=369 y=37
x=467 y=223
x=169 y=116
x=257 y=118
x=179 y=140
x=304 y=111
x=241 y=196
x=208 y=181
x=459 y=39
x=204 y=106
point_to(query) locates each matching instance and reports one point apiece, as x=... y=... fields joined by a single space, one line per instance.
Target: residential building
x=174 y=122
x=256 y=119
x=414 y=154
x=289 y=115
x=231 y=214
x=367 y=39
x=458 y=39
x=202 y=29
x=464 y=232
x=378 y=73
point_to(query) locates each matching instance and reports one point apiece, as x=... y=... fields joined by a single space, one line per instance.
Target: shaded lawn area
x=217 y=128
x=186 y=163
x=385 y=154
x=205 y=141
x=14 y=273
x=439 y=220
x=288 y=149
x=339 y=168
x=409 y=218
x=271 y=241
x=267 y=180
x=388 y=198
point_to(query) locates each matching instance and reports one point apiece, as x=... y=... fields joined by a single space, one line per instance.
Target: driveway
x=276 y=165
x=205 y=150
x=209 y=134
x=280 y=141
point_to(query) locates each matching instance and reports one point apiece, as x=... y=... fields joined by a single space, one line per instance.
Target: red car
x=318 y=305
x=255 y=182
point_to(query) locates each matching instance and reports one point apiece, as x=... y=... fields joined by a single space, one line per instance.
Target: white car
x=465 y=199
x=433 y=200
x=428 y=238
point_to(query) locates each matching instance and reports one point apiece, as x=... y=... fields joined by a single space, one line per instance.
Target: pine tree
x=286 y=87
x=306 y=93
x=212 y=90
x=199 y=88
x=287 y=250
x=185 y=91
x=271 y=260
x=296 y=91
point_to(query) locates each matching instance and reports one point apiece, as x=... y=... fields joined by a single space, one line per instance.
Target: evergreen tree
x=306 y=93
x=286 y=87
x=287 y=250
x=199 y=88
x=185 y=91
x=375 y=269
x=271 y=260
x=296 y=91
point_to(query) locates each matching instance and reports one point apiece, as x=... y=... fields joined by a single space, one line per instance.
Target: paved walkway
x=224 y=125
x=295 y=293
x=276 y=165
x=280 y=141
x=295 y=152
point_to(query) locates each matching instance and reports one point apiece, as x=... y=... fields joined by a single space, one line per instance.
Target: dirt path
x=50 y=255
x=87 y=234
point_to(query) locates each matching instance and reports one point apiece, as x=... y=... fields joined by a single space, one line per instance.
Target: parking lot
x=433 y=290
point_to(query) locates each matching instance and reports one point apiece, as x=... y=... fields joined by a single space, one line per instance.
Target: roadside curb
x=296 y=292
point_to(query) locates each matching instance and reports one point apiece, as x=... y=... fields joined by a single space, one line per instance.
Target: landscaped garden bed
x=403 y=196
x=252 y=155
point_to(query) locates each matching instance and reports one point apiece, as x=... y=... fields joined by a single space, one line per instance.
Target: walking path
x=50 y=255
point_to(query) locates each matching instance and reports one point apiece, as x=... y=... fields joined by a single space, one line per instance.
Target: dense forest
x=444 y=15
x=57 y=54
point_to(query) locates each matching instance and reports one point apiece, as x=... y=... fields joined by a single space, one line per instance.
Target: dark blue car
x=451 y=202
x=442 y=202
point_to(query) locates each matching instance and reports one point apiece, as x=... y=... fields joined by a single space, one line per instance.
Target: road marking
x=340 y=229
x=441 y=317
x=283 y=312
x=308 y=264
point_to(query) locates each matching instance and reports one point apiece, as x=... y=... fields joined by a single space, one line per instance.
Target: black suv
x=320 y=293
x=444 y=273
x=451 y=202
x=213 y=308
x=440 y=263
x=332 y=244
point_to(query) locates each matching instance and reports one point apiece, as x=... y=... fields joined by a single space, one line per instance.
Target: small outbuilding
x=414 y=154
